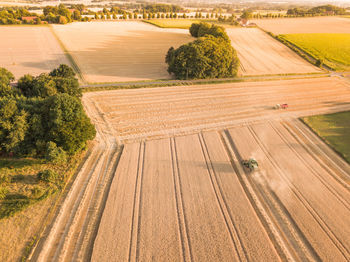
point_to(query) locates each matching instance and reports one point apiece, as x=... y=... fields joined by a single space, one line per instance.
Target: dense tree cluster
x=162 y=8
x=12 y=15
x=317 y=11
x=210 y=56
x=43 y=116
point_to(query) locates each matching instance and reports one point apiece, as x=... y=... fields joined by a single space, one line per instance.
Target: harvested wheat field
x=330 y=24
x=120 y=51
x=189 y=199
x=260 y=54
x=29 y=50
x=159 y=112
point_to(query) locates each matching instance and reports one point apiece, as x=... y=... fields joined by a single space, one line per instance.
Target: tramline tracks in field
x=271 y=227
x=325 y=156
x=305 y=203
x=312 y=169
x=183 y=225
x=236 y=241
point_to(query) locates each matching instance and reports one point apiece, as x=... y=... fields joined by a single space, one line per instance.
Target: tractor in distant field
x=281 y=106
x=251 y=164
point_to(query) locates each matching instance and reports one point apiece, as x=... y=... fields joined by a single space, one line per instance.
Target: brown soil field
x=330 y=24
x=189 y=199
x=29 y=50
x=260 y=54
x=120 y=51
x=158 y=112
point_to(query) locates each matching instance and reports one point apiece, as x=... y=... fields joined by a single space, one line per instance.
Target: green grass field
x=333 y=49
x=334 y=129
x=175 y=23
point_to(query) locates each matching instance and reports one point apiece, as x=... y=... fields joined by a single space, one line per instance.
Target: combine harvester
x=251 y=164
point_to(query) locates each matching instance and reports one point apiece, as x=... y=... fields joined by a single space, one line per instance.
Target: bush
x=3 y=192
x=9 y=208
x=319 y=62
x=55 y=154
x=47 y=176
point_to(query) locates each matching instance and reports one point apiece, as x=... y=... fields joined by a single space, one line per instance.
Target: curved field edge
x=334 y=130
x=332 y=49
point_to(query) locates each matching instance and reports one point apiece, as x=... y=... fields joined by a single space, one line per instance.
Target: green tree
x=67 y=124
x=13 y=125
x=6 y=77
x=210 y=56
x=63 y=71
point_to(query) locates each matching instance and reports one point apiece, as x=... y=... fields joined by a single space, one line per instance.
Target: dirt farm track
x=164 y=181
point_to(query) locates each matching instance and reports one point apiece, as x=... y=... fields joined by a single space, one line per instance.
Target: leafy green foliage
x=6 y=77
x=55 y=154
x=60 y=80
x=67 y=124
x=63 y=71
x=13 y=125
x=210 y=56
x=49 y=120
x=47 y=176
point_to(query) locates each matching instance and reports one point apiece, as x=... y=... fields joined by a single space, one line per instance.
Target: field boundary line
x=256 y=203
x=183 y=228
x=235 y=238
x=324 y=140
x=135 y=225
x=173 y=83
x=318 y=219
x=68 y=55
x=313 y=170
x=297 y=50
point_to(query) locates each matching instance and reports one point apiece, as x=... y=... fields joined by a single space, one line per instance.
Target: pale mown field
x=260 y=54
x=331 y=24
x=159 y=112
x=29 y=50
x=120 y=51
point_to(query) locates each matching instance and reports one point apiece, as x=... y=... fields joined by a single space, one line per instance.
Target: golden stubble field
x=120 y=51
x=260 y=54
x=29 y=50
x=185 y=196
x=331 y=24
x=178 y=192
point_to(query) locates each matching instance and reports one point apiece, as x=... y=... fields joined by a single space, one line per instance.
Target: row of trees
x=43 y=115
x=317 y=11
x=210 y=56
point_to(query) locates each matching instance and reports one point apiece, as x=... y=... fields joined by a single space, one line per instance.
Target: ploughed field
x=330 y=24
x=189 y=199
x=29 y=50
x=120 y=51
x=158 y=112
x=260 y=54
